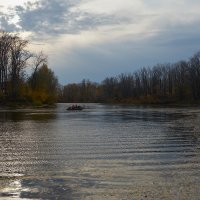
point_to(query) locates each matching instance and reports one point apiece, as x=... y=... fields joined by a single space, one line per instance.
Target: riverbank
x=24 y=105
x=155 y=102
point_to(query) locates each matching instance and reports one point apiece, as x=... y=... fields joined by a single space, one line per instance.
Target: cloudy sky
x=98 y=38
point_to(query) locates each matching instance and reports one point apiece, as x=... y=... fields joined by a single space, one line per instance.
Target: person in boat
x=75 y=107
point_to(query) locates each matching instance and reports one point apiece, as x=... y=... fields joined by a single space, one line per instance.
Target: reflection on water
x=102 y=152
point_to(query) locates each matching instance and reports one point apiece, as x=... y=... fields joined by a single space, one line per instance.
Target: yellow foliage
x=39 y=97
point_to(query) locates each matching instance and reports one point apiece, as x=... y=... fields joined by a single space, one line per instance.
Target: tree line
x=17 y=85
x=162 y=83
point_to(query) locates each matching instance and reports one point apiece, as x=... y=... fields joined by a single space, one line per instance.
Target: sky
x=95 y=39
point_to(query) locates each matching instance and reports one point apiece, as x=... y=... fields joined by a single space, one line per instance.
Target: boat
x=75 y=107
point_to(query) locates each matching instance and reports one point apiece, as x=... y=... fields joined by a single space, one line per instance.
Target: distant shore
x=22 y=105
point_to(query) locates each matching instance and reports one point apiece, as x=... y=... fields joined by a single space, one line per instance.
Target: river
x=102 y=152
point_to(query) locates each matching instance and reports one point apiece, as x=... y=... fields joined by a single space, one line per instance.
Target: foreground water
x=102 y=152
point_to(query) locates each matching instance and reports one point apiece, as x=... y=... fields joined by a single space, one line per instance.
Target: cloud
x=6 y=23
x=92 y=38
x=74 y=16
x=43 y=16
x=58 y=17
x=46 y=18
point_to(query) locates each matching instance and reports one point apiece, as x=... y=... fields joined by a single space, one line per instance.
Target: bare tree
x=19 y=57
x=195 y=75
x=5 y=45
x=39 y=60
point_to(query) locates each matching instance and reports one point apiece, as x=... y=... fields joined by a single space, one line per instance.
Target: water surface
x=102 y=152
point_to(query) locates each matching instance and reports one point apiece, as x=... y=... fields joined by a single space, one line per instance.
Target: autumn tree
x=15 y=83
x=45 y=85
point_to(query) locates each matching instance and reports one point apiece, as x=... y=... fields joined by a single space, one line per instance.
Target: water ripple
x=114 y=152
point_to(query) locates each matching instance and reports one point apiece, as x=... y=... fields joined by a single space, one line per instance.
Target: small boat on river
x=75 y=108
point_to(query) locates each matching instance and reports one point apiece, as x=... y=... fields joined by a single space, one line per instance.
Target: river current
x=101 y=152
